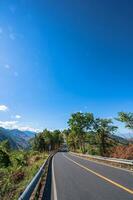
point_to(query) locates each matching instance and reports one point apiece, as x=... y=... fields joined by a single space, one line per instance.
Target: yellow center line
x=101 y=176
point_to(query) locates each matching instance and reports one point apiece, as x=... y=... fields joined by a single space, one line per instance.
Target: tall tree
x=48 y=139
x=39 y=143
x=73 y=141
x=57 y=138
x=66 y=133
x=79 y=123
x=103 y=129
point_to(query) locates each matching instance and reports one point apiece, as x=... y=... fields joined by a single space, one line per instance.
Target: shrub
x=4 y=158
x=122 y=151
x=17 y=176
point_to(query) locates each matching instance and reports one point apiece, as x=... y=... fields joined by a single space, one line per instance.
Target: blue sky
x=63 y=56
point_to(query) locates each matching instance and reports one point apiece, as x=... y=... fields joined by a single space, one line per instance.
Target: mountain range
x=120 y=139
x=17 y=139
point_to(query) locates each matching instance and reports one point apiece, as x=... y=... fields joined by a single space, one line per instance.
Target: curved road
x=74 y=178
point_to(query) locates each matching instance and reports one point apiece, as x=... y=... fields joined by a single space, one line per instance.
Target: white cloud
x=28 y=128
x=8 y=124
x=15 y=125
x=3 y=108
x=17 y=116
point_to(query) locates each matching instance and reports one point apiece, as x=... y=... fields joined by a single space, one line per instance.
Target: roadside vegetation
x=47 y=141
x=17 y=167
x=96 y=136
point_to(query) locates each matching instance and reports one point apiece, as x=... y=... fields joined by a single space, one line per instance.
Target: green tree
x=66 y=133
x=48 y=139
x=4 y=154
x=57 y=138
x=126 y=118
x=73 y=141
x=79 y=123
x=39 y=143
x=103 y=129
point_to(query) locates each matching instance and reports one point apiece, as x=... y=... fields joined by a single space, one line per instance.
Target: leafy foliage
x=79 y=124
x=127 y=118
x=47 y=140
x=18 y=173
x=18 y=167
x=4 y=154
x=89 y=134
x=103 y=128
x=39 y=143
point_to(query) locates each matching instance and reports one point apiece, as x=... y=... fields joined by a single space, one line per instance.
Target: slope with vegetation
x=17 y=167
x=17 y=139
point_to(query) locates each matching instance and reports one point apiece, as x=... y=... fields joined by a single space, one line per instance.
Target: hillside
x=17 y=139
x=120 y=139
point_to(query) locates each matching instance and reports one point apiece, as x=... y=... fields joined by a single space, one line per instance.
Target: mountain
x=17 y=139
x=130 y=140
x=29 y=134
x=119 y=139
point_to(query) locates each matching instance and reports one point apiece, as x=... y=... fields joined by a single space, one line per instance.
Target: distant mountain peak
x=18 y=139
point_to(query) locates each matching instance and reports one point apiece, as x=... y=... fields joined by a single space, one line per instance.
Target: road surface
x=74 y=178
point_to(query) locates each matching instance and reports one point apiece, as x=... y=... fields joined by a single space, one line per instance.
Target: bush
x=19 y=172
x=4 y=158
x=122 y=151
x=19 y=158
x=93 y=150
x=17 y=176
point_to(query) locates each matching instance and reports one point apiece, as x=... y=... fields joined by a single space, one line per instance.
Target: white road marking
x=53 y=181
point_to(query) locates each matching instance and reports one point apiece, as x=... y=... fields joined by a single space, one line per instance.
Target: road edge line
x=53 y=180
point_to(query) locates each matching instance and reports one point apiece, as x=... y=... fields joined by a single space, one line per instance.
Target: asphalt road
x=74 y=178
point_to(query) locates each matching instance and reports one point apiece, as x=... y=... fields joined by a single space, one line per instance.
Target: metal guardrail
x=115 y=160
x=32 y=185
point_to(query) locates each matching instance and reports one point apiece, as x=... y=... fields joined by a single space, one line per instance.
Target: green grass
x=16 y=177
